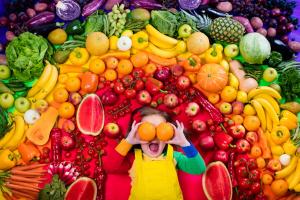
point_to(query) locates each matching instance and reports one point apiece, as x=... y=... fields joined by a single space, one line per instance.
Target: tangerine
x=261 y=163
x=66 y=110
x=62 y=78
x=249 y=110
x=228 y=94
x=97 y=66
x=255 y=151
x=111 y=62
x=164 y=131
x=60 y=95
x=124 y=67
x=140 y=59
x=251 y=123
x=150 y=69
x=110 y=75
x=267 y=179
x=146 y=131
x=213 y=98
x=279 y=187
x=238 y=119
x=73 y=84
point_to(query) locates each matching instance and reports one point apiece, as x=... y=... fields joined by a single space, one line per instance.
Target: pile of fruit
x=67 y=91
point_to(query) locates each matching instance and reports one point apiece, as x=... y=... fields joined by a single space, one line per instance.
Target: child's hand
x=132 y=137
x=179 y=137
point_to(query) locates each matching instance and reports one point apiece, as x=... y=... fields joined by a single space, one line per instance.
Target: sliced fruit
x=83 y=188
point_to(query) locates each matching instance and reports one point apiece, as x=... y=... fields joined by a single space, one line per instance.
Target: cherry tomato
x=219 y=129
x=210 y=122
x=255 y=188
x=242 y=172
x=138 y=73
x=252 y=164
x=119 y=88
x=139 y=85
x=244 y=183
x=254 y=175
x=130 y=93
x=127 y=80
x=240 y=162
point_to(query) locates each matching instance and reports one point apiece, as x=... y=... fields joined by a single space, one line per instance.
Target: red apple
x=221 y=155
x=177 y=70
x=199 y=125
x=171 y=100
x=237 y=131
x=237 y=107
x=144 y=97
x=67 y=141
x=252 y=137
x=206 y=141
x=192 y=109
x=242 y=146
x=75 y=98
x=111 y=130
x=183 y=82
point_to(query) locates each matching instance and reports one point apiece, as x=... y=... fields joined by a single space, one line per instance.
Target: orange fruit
x=279 y=187
x=111 y=62
x=66 y=110
x=213 y=98
x=228 y=94
x=150 y=69
x=267 y=179
x=255 y=151
x=97 y=43
x=97 y=66
x=261 y=163
x=140 y=59
x=62 y=78
x=146 y=131
x=249 y=110
x=251 y=123
x=110 y=75
x=73 y=84
x=238 y=119
x=60 y=95
x=164 y=131
x=124 y=67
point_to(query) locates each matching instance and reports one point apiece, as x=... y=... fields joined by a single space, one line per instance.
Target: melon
x=216 y=182
x=197 y=43
x=90 y=115
x=83 y=188
x=97 y=43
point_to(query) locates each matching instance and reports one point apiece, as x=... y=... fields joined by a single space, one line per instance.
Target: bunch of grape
x=117 y=19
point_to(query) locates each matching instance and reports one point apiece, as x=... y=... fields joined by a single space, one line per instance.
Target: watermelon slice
x=82 y=189
x=90 y=115
x=216 y=182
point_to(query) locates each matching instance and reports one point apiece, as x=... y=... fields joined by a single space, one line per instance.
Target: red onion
x=206 y=142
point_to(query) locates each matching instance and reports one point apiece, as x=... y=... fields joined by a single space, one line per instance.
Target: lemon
x=242 y=97
x=249 y=110
x=113 y=41
x=57 y=36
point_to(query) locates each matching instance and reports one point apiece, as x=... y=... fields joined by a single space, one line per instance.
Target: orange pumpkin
x=212 y=77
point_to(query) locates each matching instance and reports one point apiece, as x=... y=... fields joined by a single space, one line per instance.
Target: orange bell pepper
x=89 y=82
x=28 y=152
x=192 y=64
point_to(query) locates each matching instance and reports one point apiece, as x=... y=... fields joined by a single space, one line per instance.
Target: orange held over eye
x=140 y=59
x=73 y=84
x=164 y=131
x=146 y=131
x=60 y=95
x=66 y=110
x=97 y=66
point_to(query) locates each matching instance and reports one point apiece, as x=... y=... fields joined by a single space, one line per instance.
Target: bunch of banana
x=45 y=84
x=163 y=45
x=15 y=136
x=264 y=100
x=233 y=81
x=291 y=174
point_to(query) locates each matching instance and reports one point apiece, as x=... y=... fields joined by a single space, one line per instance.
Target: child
x=153 y=173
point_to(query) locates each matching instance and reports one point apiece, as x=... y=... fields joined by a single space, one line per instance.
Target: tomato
x=139 y=85
x=254 y=175
x=252 y=164
x=130 y=93
x=127 y=80
x=255 y=188
x=138 y=73
x=240 y=162
x=242 y=172
x=244 y=183
x=119 y=88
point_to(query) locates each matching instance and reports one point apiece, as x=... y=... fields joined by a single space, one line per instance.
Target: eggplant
x=150 y=5
x=279 y=46
x=40 y=19
x=91 y=7
x=45 y=29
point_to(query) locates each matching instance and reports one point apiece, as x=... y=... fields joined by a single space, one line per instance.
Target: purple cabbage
x=189 y=4
x=67 y=10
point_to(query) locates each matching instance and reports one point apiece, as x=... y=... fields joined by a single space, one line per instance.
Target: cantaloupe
x=197 y=43
x=97 y=43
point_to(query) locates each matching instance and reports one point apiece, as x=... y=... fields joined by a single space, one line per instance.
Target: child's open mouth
x=153 y=147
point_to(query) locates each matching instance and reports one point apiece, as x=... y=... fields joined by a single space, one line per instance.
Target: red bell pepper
x=153 y=85
x=222 y=140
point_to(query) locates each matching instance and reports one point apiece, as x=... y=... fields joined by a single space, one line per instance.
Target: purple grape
x=12 y=17
x=276 y=12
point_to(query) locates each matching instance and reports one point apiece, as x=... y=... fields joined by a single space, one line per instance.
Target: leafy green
x=55 y=190
x=275 y=59
x=164 y=21
x=97 y=22
x=5 y=124
x=26 y=55
x=183 y=18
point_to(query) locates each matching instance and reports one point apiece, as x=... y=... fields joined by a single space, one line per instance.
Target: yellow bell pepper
x=289 y=115
x=277 y=150
x=214 y=54
x=140 y=40
x=280 y=134
x=8 y=159
x=287 y=122
x=128 y=33
x=289 y=147
x=79 y=56
x=113 y=41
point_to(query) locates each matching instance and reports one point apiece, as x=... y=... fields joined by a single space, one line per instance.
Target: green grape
x=127 y=10
x=115 y=7
x=122 y=21
x=121 y=6
x=115 y=17
x=124 y=15
x=117 y=12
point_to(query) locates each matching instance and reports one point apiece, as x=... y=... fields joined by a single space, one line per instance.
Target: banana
x=7 y=137
x=233 y=81
x=18 y=135
x=296 y=177
x=161 y=52
x=289 y=178
x=297 y=188
x=287 y=170
x=48 y=87
x=271 y=111
x=159 y=43
x=269 y=122
x=155 y=33
x=260 y=113
x=271 y=100
x=41 y=82
x=263 y=90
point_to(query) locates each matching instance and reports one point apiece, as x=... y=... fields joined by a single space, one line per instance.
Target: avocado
x=140 y=14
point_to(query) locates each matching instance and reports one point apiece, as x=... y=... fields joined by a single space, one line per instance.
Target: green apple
x=226 y=108
x=22 y=104
x=270 y=74
x=6 y=100
x=184 y=31
x=231 y=50
x=4 y=72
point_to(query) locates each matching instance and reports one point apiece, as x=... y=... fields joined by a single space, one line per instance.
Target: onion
x=189 y=4
x=31 y=116
x=285 y=159
x=67 y=10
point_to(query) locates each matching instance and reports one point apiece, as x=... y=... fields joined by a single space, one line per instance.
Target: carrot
x=18 y=187
x=162 y=61
x=65 y=68
x=22 y=194
x=297 y=197
x=7 y=196
x=117 y=54
x=32 y=185
x=29 y=167
x=20 y=178
x=25 y=173
x=263 y=143
x=291 y=196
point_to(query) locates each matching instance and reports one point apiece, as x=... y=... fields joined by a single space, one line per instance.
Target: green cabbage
x=25 y=56
x=255 y=48
x=164 y=21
